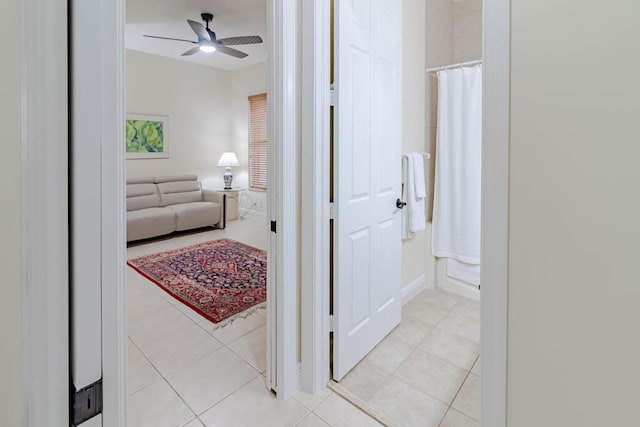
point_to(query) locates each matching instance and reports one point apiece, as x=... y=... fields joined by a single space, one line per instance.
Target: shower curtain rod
x=449 y=67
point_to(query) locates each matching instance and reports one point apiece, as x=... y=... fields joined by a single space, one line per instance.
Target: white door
x=367 y=176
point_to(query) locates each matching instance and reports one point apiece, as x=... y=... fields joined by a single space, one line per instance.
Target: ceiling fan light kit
x=208 y=42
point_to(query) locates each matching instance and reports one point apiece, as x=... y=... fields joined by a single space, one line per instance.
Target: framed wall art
x=147 y=136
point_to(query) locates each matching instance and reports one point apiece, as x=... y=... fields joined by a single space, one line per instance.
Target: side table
x=233 y=194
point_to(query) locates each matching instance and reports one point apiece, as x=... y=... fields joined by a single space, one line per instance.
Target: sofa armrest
x=211 y=196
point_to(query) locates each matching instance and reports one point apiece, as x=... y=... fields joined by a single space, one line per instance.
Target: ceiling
x=167 y=18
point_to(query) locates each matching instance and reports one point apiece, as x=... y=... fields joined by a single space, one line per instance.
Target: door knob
x=400 y=204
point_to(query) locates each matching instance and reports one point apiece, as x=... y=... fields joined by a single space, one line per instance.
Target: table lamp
x=228 y=159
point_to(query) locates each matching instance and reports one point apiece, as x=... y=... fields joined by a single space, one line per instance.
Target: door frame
x=45 y=275
x=283 y=201
x=45 y=168
x=495 y=208
x=315 y=195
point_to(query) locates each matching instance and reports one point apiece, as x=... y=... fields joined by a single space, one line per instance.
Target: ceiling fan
x=207 y=41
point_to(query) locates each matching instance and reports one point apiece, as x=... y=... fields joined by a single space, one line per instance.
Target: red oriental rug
x=217 y=279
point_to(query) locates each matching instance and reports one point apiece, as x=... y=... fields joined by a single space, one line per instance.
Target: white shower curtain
x=456 y=210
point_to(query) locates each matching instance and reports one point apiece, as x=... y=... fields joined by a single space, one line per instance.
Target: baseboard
x=413 y=289
x=299 y=376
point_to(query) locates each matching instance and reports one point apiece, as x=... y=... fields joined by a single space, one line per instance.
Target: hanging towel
x=404 y=214
x=418 y=175
x=456 y=211
x=416 y=192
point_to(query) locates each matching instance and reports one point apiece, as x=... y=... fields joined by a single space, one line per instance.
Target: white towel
x=404 y=214
x=415 y=203
x=418 y=175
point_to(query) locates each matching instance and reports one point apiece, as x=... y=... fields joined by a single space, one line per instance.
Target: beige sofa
x=161 y=205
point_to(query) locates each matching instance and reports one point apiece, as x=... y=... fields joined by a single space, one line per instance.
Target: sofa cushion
x=195 y=214
x=171 y=178
x=142 y=196
x=148 y=180
x=178 y=192
x=145 y=223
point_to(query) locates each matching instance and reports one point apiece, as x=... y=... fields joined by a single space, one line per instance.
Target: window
x=258 y=142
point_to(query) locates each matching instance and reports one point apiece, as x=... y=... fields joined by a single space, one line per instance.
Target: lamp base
x=228 y=178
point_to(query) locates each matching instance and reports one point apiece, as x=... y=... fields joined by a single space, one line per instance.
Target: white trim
x=414 y=288
x=282 y=283
x=315 y=230
x=114 y=314
x=98 y=109
x=495 y=211
x=45 y=272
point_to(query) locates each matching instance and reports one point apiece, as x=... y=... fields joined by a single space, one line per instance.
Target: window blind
x=258 y=142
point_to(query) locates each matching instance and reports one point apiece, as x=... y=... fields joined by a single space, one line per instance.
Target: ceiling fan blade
x=191 y=51
x=232 y=41
x=231 y=51
x=168 y=38
x=199 y=29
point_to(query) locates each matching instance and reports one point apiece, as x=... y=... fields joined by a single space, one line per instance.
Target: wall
x=12 y=403
x=196 y=98
x=414 y=251
x=438 y=51
x=245 y=82
x=467 y=30
x=574 y=289
x=208 y=114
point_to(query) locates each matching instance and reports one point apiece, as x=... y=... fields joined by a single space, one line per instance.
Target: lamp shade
x=228 y=159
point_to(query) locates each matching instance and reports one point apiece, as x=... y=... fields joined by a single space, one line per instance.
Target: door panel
x=367 y=177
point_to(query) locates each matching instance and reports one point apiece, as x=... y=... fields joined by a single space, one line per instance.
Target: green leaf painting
x=145 y=136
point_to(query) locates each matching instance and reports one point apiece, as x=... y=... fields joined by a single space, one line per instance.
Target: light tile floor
x=182 y=372
x=426 y=372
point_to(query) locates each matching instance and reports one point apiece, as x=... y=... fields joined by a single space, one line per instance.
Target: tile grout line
x=458 y=392
x=313 y=411
x=230 y=394
x=416 y=347
x=163 y=378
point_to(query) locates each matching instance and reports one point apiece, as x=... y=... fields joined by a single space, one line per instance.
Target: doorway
x=277 y=368
x=196 y=310
x=495 y=56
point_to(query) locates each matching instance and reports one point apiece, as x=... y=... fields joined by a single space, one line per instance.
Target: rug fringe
x=242 y=315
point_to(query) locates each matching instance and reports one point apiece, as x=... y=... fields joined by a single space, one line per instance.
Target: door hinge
x=331 y=323
x=332 y=210
x=332 y=95
x=87 y=402
x=273 y=226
